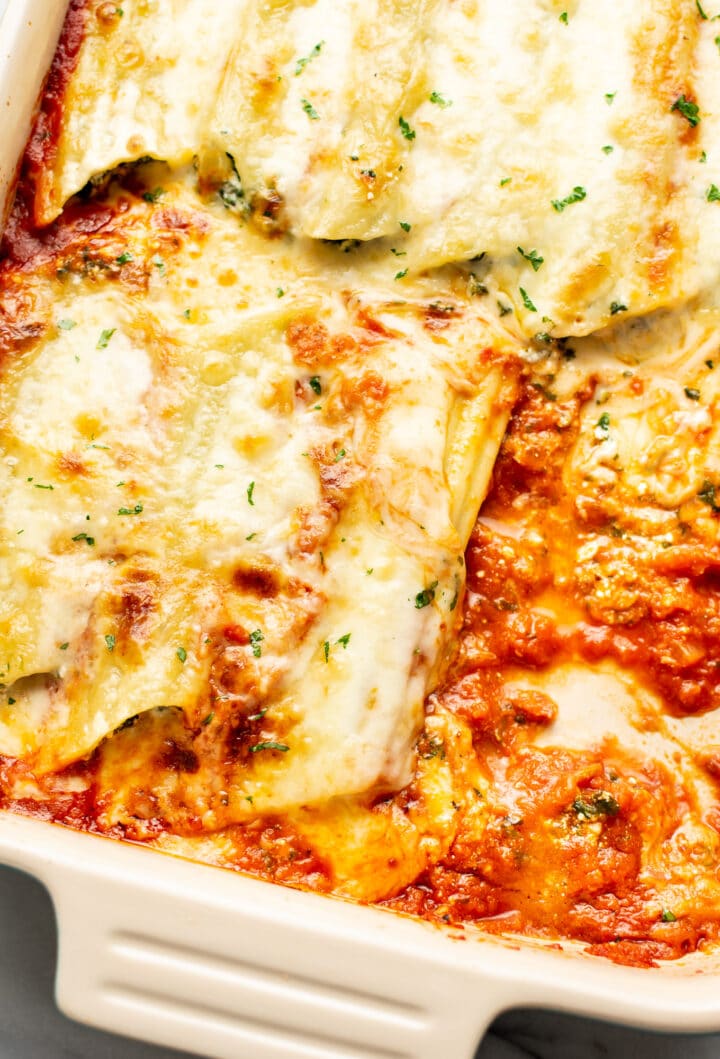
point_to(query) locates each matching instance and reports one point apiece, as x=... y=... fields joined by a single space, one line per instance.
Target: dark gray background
x=31 y=1027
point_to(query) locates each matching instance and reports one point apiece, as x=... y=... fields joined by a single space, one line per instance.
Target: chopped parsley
x=609 y=97
x=231 y=191
x=602 y=426
x=668 y=916
x=250 y=491
x=282 y=747
x=153 y=196
x=302 y=63
x=440 y=100
x=84 y=537
x=124 y=258
x=315 y=384
x=692 y=393
x=713 y=193
x=405 y=129
x=137 y=510
x=344 y=640
x=527 y=301
x=207 y=720
x=66 y=325
x=405 y=225
x=310 y=110
x=600 y=803
x=689 y=110
x=182 y=654
x=326 y=650
x=256 y=638
x=105 y=336
x=532 y=256
x=38 y=486
x=608 y=148
x=505 y=181
x=401 y=274
x=563 y=18
x=617 y=307
x=707 y=495
x=704 y=17
x=339 y=456
x=280 y=293
x=504 y=309
x=425 y=598
x=110 y=642
x=64 y=646
x=577 y=194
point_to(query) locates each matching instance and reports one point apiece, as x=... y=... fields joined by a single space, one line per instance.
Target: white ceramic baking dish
x=225 y=966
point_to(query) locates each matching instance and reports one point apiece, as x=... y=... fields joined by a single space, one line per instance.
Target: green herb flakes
x=425 y=598
x=309 y=110
x=532 y=257
x=302 y=63
x=405 y=129
x=90 y=541
x=689 y=110
x=105 y=336
x=256 y=638
x=527 y=301
x=577 y=194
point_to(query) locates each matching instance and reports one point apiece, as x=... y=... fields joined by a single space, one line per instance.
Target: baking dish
x=223 y=965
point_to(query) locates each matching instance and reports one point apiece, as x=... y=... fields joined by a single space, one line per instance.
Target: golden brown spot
x=665 y=245
x=370 y=392
x=138 y=599
x=70 y=465
x=257 y=580
x=178 y=758
x=312 y=343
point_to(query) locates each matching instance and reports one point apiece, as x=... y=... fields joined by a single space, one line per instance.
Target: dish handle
x=254 y=971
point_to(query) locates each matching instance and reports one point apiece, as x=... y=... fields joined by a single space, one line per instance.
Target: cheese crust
x=359 y=475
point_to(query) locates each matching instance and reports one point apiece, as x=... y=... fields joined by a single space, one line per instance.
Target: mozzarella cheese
x=564 y=146
x=246 y=495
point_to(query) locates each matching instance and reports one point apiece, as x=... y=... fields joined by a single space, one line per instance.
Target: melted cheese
x=249 y=493
x=239 y=466
x=137 y=90
x=553 y=145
